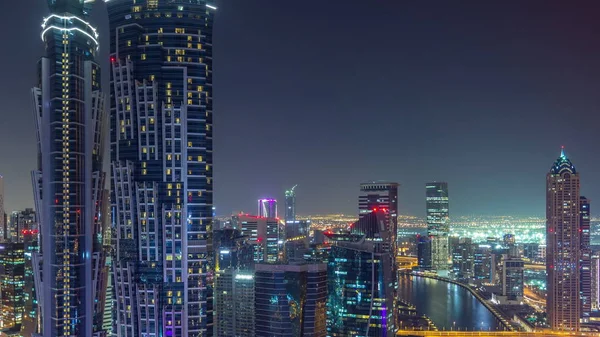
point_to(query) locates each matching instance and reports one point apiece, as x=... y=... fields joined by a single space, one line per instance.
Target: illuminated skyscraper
x=161 y=122
x=361 y=300
x=12 y=285
x=438 y=224
x=290 y=300
x=21 y=223
x=3 y=217
x=267 y=208
x=563 y=245
x=290 y=204
x=585 y=267
x=68 y=185
x=263 y=234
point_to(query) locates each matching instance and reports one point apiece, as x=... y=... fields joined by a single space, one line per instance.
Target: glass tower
x=290 y=204
x=68 y=185
x=161 y=120
x=585 y=279
x=438 y=224
x=563 y=245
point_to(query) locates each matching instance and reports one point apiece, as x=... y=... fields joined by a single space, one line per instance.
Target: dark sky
x=328 y=94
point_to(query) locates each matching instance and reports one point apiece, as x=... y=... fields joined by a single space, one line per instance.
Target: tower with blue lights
x=563 y=245
x=161 y=121
x=68 y=185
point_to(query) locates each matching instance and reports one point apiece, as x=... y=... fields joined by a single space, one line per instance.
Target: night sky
x=329 y=94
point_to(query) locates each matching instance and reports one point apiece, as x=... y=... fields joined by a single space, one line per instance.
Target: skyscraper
x=290 y=300
x=361 y=277
x=267 y=208
x=68 y=186
x=234 y=303
x=21 y=223
x=263 y=234
x=12 y=285
x=563 y=245
x=438 y=224
x=3 y=224
x=585 y=267
x=290 y=204
x=161 y=120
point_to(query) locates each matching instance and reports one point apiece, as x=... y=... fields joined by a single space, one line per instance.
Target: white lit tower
x=68 y=185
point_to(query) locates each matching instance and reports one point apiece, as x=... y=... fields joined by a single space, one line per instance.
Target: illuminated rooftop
x=563 y=164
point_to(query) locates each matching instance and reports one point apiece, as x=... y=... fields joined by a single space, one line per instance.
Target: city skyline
x=490 y=123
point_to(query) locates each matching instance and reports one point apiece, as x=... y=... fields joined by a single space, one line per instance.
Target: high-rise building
x=31 y=317
x=12 y=285
x=563 y=245
x=3 y=217
x=22 y=223
x=161 y=121
x=263 y=234
x=68 y=185
x=595 y=281
x=438 y=224
x=361 y=293
x=585 y=272
x=290 y=300
x=482 y=263
x=424 y=252
x=290 y=204
x=267 y=208
x=234 y=303
x=463 y=258
x=381 y=196
x=512 y=278
x=297 y=239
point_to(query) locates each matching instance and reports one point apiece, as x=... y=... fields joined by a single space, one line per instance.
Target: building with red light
x=264 y=234
x=563 y=245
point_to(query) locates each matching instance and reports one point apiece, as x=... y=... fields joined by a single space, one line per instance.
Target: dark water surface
x=447 y=305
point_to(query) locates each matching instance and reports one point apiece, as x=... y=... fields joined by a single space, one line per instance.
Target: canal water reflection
x=447 y=305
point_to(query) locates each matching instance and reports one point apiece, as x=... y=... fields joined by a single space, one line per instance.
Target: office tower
x=297 y=239
x=290 y=300
x=290 y=204
x=360 y=277
x=377 y=196
x=267 y=208
x=585 y=276
x=232 y=250
x=234 y=284
x=595 y=281
x=424 y=252
x=12 y=285
x=21 y=223
x=438 y=224
x=161 y=122
x=3 y=216
x=31 y=317
x=482 y=263
x=68 y=185
x=563 y=245
x=263 y=233
x=512 y=279
x=234 y=303
x=463 y=255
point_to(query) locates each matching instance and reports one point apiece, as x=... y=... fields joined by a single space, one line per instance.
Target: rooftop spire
x=562 y=152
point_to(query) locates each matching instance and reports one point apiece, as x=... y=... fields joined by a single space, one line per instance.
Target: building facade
x=68 y=185
x=263 y=234
x=267 y=208
x=361 y=297
x=290 y=204
x=585 y=267
x=290 y=300
x=438 y=224
x=234 y=303
x=563 y=245
x=512 y=278
x=161 y=120
x=22 y=223
x=12 y=285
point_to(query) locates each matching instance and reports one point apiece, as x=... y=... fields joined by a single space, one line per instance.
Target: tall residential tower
x=290 y=204
x=563 y=245
x=68 y=185
x=161 y=121
x=438 y=224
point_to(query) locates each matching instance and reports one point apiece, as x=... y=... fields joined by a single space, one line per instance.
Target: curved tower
x=563 y=244
x=161 y=159
x=68 y=185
